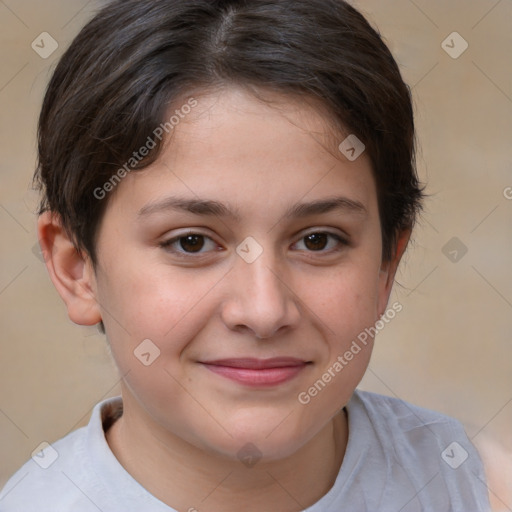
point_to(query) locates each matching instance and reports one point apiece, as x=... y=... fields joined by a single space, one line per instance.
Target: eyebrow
x=215 y=208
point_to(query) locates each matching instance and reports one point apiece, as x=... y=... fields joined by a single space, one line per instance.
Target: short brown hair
x=113 y=85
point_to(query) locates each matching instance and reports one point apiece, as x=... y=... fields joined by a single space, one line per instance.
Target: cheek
x=345 y=300
x=166 y=307
x=150 y=300
x=347 y=304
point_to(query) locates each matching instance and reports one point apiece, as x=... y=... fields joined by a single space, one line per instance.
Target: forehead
x=267 y=153
x=249 y=122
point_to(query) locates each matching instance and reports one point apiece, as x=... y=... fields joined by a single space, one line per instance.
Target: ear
x=71 y=273
x=389 y=268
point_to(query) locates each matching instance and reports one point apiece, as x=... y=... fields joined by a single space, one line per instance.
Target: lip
x=257 y=372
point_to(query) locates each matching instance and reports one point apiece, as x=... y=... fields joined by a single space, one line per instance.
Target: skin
x=183 y=425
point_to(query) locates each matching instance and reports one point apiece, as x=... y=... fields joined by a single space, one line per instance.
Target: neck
x=188 y=478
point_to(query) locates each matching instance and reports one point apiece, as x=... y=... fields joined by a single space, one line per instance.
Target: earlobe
x=71 y=273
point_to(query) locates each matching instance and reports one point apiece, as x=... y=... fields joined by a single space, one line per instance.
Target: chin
x=265 y=439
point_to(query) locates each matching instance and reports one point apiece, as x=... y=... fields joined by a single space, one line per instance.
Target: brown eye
x=321 y=242
x=192 y=243
x=189 y=244
x=316 y=241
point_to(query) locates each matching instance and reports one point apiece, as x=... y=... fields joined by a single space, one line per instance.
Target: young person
x=228 y=188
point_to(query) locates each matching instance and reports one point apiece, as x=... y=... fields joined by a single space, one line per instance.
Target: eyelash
x=167 y=244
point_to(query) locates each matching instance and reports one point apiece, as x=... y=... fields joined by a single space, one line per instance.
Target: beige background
x=449 y=349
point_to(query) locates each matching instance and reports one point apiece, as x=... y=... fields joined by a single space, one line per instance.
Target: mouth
x=258 y=372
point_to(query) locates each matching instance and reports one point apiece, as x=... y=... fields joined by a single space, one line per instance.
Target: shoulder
x=398 y=413
x=400 y=424
x=423 y=446
x=59 y=477
x=51 y=472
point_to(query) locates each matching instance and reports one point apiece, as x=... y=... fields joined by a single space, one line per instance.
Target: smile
x=258 y=372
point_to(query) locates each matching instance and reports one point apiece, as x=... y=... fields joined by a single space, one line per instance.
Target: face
x=249 y=255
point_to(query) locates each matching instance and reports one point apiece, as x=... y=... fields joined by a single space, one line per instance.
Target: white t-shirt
x=399 y=458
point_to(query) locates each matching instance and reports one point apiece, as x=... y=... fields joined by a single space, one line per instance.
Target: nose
x=260 y=299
